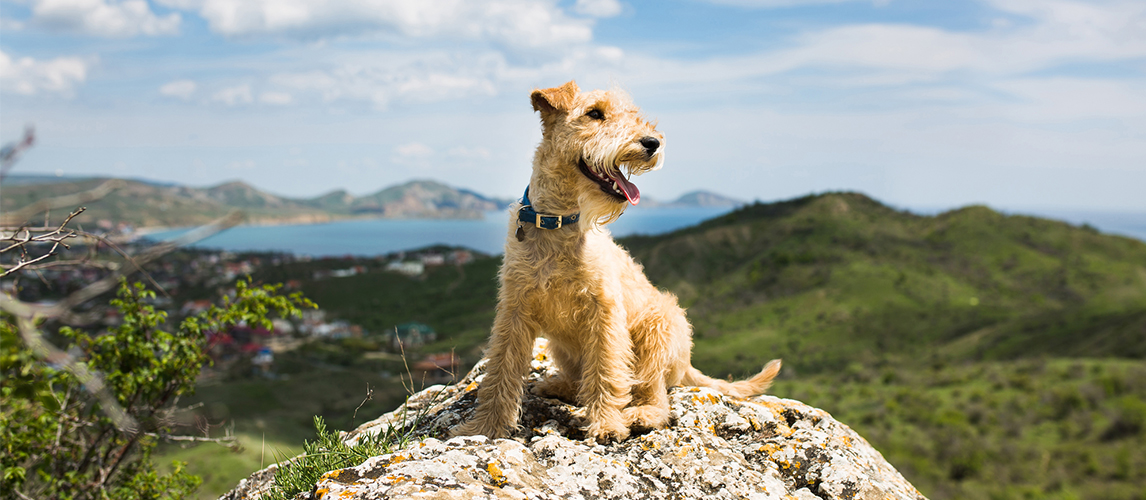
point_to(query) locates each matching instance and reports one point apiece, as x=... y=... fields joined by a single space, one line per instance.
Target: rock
x=715 y=447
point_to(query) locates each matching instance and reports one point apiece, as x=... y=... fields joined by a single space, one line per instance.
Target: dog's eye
x=595 y=114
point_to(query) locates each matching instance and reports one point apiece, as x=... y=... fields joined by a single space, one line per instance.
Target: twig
x=369 y=396
x=197 y=439
x=63 y=309
x=55 y=236
x=11 y=153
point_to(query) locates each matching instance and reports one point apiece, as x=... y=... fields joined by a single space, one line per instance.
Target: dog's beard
x=598 y=209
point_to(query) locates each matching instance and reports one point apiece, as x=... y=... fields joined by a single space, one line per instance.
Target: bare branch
x=11 y=153
x=227 y=440
x=54 y=236
x=63 y=309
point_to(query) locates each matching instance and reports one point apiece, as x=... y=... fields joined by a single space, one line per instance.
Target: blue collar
x=542 y=221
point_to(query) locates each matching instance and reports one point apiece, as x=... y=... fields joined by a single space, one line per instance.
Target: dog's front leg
x=606 y=379
x=499 y=397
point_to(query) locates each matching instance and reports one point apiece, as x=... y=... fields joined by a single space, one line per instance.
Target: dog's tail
x=742 y=389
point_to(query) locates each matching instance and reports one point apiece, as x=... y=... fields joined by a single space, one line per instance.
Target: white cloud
x=1058 y=100
x=598 y=8
x=277 y=98
x=28 y=76
x=10 y=25
x=242 y=165
x=384 y=78
x=414 y=150
x=466 y=153
x=525 y=24
x=1055 y=33
x=182 y=89
x=232 y=96
x=415 y=77
x=104 y=18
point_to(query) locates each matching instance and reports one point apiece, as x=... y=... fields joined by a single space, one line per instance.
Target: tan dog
x=618 y=342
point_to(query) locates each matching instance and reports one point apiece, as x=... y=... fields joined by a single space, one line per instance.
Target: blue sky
x=1020 y=104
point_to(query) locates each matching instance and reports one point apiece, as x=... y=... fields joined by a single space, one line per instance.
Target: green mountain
x=144 y=204
x=824 y=279
x=424 y=198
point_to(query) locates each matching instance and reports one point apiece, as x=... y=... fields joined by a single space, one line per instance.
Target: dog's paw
x=649 y=416
x=604 y=432
x=475 y=428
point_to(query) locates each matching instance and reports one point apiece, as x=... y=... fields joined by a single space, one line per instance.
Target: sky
x=1018 y=104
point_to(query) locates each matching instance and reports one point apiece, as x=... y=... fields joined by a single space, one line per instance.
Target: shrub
x=61 y=441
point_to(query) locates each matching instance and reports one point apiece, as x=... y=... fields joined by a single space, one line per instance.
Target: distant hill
x=149 y=204
x=827 y=278
x=694 y=199
x=144 y=204
x=418 y=199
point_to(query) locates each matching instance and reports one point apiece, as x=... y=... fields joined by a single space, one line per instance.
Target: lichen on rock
x=715 y=447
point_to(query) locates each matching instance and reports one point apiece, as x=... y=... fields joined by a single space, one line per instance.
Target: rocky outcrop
x=716 y=447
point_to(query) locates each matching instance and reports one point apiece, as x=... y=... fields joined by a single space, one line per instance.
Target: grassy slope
x=828 y=279
x=1032 y=428
x=872 y=310
x=457 y=301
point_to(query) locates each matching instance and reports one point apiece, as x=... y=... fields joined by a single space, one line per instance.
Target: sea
x=369 y=237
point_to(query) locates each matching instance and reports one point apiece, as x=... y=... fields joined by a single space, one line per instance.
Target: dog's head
x=603 y=136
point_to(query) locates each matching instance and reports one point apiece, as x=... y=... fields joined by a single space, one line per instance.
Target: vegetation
x=457 y=301
x=328 y=452
x=61 y=442
x=827 y=280
x=985 y=355
x=1031 y=428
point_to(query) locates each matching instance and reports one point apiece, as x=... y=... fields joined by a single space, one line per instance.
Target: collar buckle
x=545 y=221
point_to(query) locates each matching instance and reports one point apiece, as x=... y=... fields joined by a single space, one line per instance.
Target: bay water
x=366 y=237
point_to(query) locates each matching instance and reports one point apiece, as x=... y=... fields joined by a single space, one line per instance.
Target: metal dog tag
x=520 y=233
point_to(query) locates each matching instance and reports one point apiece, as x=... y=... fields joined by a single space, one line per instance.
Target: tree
x=60 y=441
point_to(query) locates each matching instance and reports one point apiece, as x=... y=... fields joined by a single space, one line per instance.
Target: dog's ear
x=555 y=99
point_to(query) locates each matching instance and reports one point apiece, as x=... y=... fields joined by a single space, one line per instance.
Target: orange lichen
x=495 y=473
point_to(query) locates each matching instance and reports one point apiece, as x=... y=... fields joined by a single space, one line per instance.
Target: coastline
x=308 y=220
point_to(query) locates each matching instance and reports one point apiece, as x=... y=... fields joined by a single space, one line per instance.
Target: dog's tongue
x=630 y=189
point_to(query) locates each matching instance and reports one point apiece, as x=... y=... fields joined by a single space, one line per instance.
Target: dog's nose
x=651 y=144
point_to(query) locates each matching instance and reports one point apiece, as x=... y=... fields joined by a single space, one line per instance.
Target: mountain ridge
x=145 y=203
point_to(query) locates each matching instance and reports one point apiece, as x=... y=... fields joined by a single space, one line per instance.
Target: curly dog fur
x=618 y=342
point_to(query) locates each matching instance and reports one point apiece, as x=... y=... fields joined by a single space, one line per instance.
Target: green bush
x=59 y=440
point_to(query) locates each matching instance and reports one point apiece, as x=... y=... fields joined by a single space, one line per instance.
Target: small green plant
x=328 y=452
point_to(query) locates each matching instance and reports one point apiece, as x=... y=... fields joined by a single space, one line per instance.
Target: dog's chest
x=565 y=298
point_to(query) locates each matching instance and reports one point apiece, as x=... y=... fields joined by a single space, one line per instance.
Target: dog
x=617 y=341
